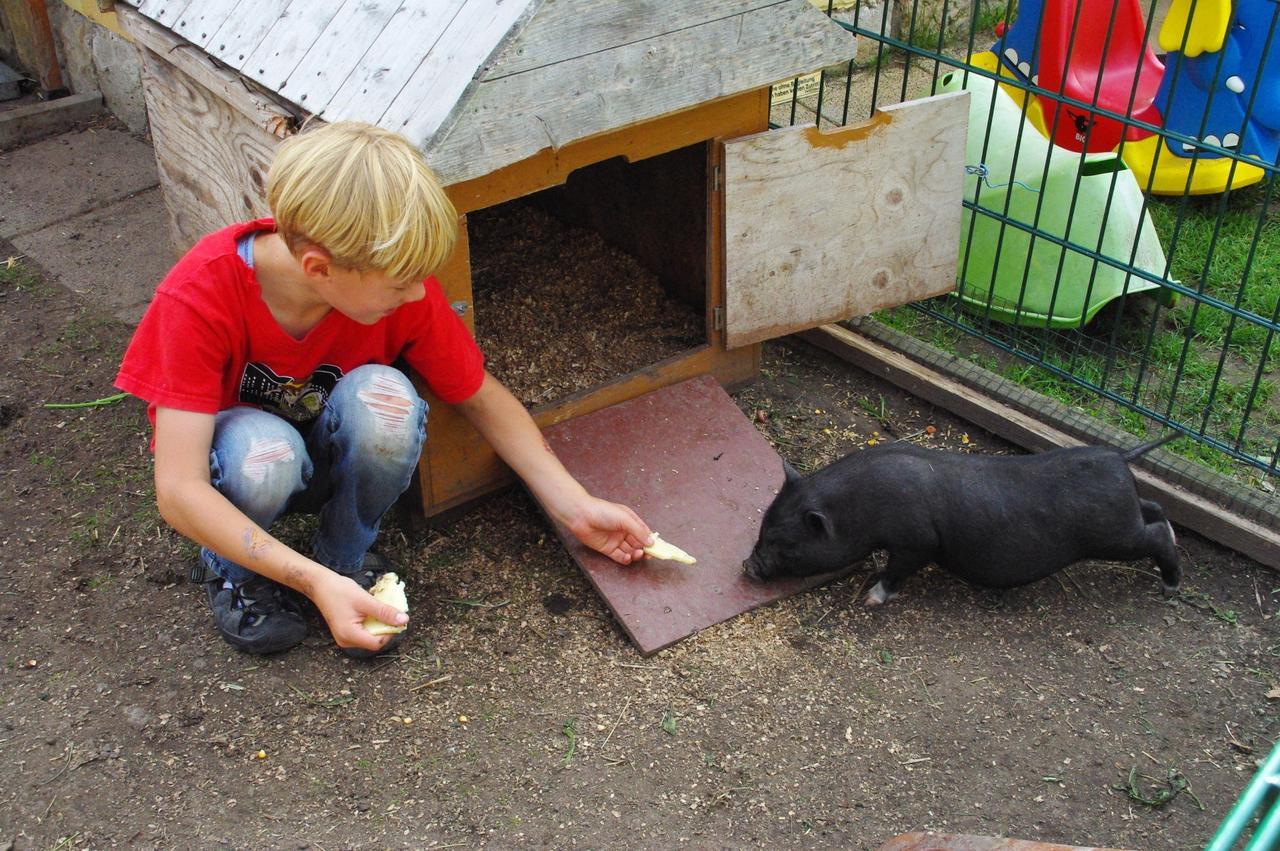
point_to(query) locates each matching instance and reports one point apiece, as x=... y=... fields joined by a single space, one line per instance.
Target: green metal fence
x=1121 y=245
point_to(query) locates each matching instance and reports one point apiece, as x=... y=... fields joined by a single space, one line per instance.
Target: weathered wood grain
x=514 y=117
x=284 y=45
x=237 y=92
x=563 y=30
x=212 y=160
x=331 y=58
x=435 y=90
x=409 y=38
x=823 y=226
x=168 y=13
x=728 y=118
x=242 y=32
x=200 y=21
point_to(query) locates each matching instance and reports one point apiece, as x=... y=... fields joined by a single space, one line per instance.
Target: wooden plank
x=287 y=41
x=32 y=35
x=149 y=7
x=447 y=71
x=562 y=31
x=1181 y=505
x=200 y=21
x=515 y=117
x=400 y=49
x=212 y=160
x=230 y=87
x=334 y=54
x=823 y=226
x=167 y=13
x=688 y=461
x=242 y=32
x=463 y=467
x=745 y=113
x=455 y=278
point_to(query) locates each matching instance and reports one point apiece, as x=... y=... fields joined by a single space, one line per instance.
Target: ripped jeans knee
x=366 y=445
x=379 y=415
x=355 y=460
x=258 y=462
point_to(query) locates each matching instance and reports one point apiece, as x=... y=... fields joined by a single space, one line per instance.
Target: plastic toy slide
x=1092 y=51
x=993 y=266
x=1221 y=64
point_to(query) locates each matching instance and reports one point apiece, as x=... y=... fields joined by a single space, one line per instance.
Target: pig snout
x=754 y=568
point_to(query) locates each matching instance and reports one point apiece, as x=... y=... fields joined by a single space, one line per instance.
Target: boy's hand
x=609 y=528
x=345 y=605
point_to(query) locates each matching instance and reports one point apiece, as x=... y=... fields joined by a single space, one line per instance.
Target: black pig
x=996 y=521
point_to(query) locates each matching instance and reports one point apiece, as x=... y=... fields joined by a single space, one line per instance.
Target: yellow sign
x=805 y=87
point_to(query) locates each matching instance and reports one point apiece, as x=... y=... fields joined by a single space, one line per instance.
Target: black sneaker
x=257 y=615
x=366 y=577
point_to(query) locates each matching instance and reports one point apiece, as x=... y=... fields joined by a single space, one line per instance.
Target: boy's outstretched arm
x=192 y=506
x=606 y=527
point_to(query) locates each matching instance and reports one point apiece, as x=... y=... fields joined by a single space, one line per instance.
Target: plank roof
x=480 y=84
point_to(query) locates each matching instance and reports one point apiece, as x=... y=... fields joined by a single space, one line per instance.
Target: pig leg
x=902 y=565
x=1162 y=545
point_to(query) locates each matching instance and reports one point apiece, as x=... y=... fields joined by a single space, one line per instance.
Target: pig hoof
x=878 y=596
x=1168 y=590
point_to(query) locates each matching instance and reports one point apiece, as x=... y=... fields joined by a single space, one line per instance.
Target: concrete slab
x=114 y=256
x=63 y=176
x=29 y=123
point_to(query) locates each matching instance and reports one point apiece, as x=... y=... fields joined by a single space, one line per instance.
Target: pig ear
x=818 y=523
x=792 y=476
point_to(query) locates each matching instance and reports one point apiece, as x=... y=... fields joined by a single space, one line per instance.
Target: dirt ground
x=517 y=713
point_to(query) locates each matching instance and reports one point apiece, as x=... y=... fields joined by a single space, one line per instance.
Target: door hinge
x=717 y=318
x=460 y=307
x=715 y=179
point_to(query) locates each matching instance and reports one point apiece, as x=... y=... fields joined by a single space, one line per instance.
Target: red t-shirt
x=208 y=342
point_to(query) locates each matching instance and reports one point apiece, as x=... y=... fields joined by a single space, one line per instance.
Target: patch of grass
x=39 y=459
x=570 y=732
x=93 y=583
x=1155 y=792
x=1202 y=601
x=17 y=274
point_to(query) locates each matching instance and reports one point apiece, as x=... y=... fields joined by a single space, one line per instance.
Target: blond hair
x=366 y=196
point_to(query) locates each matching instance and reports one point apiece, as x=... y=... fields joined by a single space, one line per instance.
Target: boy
x=265 y=359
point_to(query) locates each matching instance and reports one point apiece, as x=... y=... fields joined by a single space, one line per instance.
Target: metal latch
x=460 y=308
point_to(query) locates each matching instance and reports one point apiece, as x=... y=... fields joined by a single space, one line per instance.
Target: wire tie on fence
x=983 y=174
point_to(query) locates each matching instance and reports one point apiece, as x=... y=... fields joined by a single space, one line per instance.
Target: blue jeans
x=352 y=463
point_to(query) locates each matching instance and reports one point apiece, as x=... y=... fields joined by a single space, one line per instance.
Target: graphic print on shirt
x=297 y=401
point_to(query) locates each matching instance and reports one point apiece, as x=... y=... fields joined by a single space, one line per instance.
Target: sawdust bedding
x=559 y=310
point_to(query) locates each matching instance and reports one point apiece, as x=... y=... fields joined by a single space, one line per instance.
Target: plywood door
x=823 y=226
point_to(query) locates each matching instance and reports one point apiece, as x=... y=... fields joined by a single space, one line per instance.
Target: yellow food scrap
x=661 y=549
x=390 y=590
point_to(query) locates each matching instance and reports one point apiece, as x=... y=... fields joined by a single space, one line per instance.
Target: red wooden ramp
x=692 y=465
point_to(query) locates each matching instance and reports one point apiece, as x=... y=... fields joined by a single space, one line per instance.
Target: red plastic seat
x=1097 y=69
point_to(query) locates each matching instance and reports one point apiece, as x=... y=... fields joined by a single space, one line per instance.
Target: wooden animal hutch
x=643 y=120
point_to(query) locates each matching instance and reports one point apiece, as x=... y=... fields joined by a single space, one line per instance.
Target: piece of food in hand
x=390 y=590
x=667 y=551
